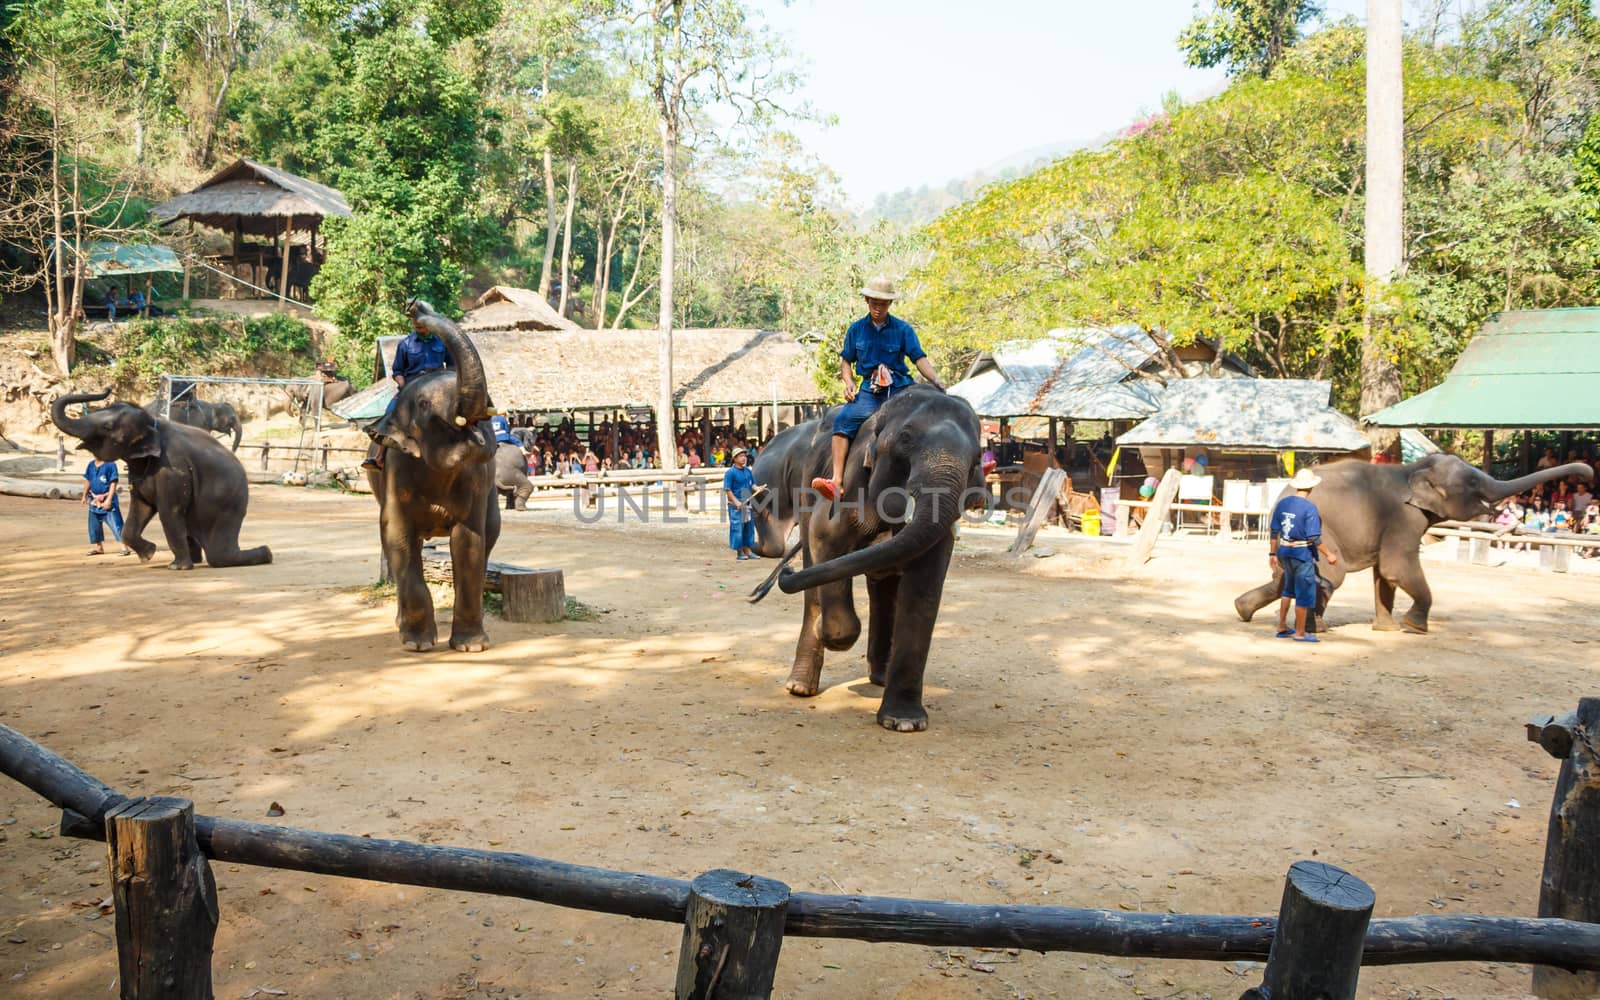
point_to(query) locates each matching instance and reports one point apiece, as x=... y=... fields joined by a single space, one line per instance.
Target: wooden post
x=1043 y=496
x=705 y=435
x=1322 y=929
x=166 y=900
x=149 y=285
x=187 y=250
x=265 y=446
x=1527 y=453
x=1554 y=558
x=732 y=933
x=238 y=247
x=1051 y=447
x=1570 y=884
x=1488 y=453
x=61 y=453
x=1154 y=518
x=283 y=271
x=535 y=595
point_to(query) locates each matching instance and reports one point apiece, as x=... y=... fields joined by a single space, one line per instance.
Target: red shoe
x=826 y=488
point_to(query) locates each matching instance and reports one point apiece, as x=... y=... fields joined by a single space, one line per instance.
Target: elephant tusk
x=461 y=421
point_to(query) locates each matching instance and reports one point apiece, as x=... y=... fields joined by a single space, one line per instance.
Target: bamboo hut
x=273 y=217
x=506 y=307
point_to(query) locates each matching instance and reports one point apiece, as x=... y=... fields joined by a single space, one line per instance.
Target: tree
x=1249 y=37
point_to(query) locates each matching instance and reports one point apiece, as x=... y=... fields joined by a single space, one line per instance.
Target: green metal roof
x=1530 y=368
x=114 y=259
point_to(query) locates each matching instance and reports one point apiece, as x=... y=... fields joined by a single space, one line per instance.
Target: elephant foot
x=1242 y=609
x=878 y=678
x=1385 y=625
x=474 y=643
x=903 y=719
x=802 y=688
x=419 y=640
x=417 y=645
x=185 y=564
x=1420 y=627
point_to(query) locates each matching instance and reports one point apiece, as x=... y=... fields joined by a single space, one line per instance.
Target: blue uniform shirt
x=1295 y=519
x=417 y=354
x=867 y=347
x=102 y=477
x=502 y=431
x=740 y=482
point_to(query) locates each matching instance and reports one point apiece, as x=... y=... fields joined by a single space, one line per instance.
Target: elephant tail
x=766 y=585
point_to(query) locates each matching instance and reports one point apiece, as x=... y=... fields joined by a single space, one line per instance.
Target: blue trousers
x=1299 y=581
x=741 y=531
x=856 y=412
x=97 y=523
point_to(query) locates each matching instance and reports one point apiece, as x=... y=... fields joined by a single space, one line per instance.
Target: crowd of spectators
x=560 y=450
x=1563 y=506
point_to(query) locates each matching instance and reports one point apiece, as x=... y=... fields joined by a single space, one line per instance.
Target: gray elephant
x=180 y=473
x=438 y=479
x=912 y=469
x=334 y=389
x=511 y=476
x=1375 y=516
x=215 y=418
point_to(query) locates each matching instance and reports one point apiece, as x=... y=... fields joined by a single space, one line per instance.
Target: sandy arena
x=1097 y=740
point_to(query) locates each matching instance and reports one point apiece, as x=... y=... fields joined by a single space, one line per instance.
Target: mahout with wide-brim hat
x=881 y=288
x=1305 y=479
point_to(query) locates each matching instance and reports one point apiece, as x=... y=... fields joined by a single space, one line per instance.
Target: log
x=37 y=490
x=1322 y=928
x=1150 y=530
x=533 y=595
x=1570 y=885
x=1044 y=495
x=732 y=933
x=166 y=900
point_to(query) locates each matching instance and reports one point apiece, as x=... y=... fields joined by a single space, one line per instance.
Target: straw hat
x=882 y=288
x=1305 y=480
x=737 y=452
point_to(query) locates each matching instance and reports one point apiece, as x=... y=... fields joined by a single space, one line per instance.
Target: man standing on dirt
x=1296 y=540
x=876 y=347
x=419 y=353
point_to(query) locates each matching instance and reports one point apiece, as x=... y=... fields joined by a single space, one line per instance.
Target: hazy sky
x=929 y=90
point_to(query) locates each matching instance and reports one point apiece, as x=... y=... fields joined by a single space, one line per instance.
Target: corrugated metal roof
x=108 y=260
x=1084 y=374
x=1533 y=368
x=1248 y=415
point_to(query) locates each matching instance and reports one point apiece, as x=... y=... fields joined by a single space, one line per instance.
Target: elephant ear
x=147 y=444
x=1425 y=494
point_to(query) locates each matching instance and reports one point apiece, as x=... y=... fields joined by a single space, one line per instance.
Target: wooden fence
x=734 y=923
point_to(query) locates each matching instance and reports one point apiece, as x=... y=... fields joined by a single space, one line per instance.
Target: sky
x=926 y=91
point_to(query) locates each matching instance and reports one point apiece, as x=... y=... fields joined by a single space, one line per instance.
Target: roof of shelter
x=108 y=260
x=257 y=195
x=506 y=307
x=610 y=369
x=1247 y=414
x=1080 y=374
x=1527 y=368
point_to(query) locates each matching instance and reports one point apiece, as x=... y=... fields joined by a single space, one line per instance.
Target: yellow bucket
x=1091 y=522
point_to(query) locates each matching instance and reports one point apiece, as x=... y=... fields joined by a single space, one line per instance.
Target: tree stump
x=533 y=595
x=732 y=933
x=1321 y=932
x=166 y=900
x=1570 y=885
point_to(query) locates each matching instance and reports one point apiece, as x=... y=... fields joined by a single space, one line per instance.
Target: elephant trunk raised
x=78 y=427
x=472 y=386
x=938 y=500
x=1500 y=489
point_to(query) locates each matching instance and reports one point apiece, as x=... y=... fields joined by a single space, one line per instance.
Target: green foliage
x=146 y=348
x=1249 y=37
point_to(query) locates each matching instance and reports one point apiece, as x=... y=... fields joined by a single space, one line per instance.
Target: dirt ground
x=1097 y=740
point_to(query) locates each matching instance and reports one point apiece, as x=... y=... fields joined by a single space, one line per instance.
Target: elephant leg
x=510 y=498
x=805 y=677
x=916 y=610
x=838 y=624
x=468 y=556
x=1382 y=603
x=523 y=493
x=139 y=515
x=1251 y=601
x=880 y=625
x=1411 y=580
x=175 y=525
x=403 y=550
x=197 y=552
x=222 y=543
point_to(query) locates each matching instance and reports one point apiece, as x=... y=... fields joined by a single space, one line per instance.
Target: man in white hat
x=1296 y=540
x=739 y=487
x=875 y=351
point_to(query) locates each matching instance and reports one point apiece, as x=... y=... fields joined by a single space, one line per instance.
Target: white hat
x=881 y=288
x=737 y=452
x=1305 y=479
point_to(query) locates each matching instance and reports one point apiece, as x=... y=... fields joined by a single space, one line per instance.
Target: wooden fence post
x=265 y=448
x=166 y=900
x=732 y=933
x=1570 y=885
x=1322 y=929
x=533 y=595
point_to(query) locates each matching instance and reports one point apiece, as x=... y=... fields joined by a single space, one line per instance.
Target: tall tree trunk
x=1380 y=374
x=549 y=204
x=669 y=240
x=63 y=326
x=566 y=240
x=208 y=137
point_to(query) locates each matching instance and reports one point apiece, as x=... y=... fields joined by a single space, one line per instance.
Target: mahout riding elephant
x=1375 y=516
x=215 y=418
x=438 y=479
x=511 y=476
x=333 y=390
x=912 y=469
x=181 y=473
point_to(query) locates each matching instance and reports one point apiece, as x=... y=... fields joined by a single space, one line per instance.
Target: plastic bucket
x=1091 y=522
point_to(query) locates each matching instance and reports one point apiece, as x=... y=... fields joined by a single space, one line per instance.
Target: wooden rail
x=712 y=906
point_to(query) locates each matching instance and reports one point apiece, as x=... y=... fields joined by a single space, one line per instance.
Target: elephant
x=438 y=479
x=181 y=473
x=215 y=418
x=911 y=470
x=1376 y=515
x=511 y=476
x=333 y=390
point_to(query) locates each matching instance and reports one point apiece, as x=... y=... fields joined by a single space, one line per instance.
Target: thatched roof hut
x=254 y=199
x=506 y=307
x=607 y=370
